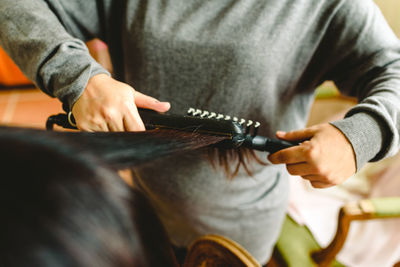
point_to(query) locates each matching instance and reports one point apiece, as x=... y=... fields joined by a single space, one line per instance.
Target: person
x=62 y=206
x=260 y=60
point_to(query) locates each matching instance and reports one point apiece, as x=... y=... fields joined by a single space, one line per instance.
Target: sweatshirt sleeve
x=364 y=55
x=47 y=42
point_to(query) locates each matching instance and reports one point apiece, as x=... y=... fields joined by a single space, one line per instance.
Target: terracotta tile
x=3 y=106
x=27 y=107
x=34 y=113
x=33 y=94
x=9 y=107
x=4 y=95
x=26 y=94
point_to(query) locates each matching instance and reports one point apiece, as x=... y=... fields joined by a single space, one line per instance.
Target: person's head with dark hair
x=60 y=207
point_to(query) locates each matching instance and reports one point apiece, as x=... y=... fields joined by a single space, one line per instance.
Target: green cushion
x=386 y=207
x=326 y=90
x=296 y=244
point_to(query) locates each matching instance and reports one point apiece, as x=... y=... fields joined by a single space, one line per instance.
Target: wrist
x=366 y=135
x=97 y=80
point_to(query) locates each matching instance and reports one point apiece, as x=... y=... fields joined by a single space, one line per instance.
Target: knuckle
x=127 y=104
x=95 y=124
x=309 y=154
x=109 y=114
x=92 y=122
x=320 y=170
x=103 y=110
x=311 y=151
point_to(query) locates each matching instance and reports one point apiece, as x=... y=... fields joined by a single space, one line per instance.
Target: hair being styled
x=231 y=160
x=61 y=207
x=127 y=149
x=124 y=149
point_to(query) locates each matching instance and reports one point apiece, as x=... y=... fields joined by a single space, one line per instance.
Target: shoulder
x=356 y=10
x=362 y=19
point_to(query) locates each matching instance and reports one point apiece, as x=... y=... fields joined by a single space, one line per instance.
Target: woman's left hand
x=326 y=158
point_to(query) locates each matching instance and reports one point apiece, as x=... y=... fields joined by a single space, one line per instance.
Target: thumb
x=148 y=102
x=298 y=135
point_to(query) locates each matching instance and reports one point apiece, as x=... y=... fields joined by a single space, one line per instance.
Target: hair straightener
x=239 y=132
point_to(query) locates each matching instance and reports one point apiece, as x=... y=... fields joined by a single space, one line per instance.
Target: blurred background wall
x=10 y=76
x=391 y=10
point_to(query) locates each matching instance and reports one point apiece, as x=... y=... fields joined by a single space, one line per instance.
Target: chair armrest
x=367 y=209
x=215 y=250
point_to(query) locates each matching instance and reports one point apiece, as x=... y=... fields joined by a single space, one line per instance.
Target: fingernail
x=281 y=133
x=158 y=102
x=165 y=105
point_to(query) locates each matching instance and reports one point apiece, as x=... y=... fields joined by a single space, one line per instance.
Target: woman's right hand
x=109 y=105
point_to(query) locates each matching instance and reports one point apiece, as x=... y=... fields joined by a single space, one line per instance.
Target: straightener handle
x=263 y=143
x=62 y=120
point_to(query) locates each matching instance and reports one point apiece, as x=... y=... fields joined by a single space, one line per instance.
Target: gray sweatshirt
x=257 y=59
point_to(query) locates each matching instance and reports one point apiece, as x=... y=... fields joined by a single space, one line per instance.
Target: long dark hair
x=62 y=203
x=61 y=207
x=127 y=149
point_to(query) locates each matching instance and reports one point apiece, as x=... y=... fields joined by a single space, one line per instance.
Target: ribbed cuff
x=80 y=84
x=366 y=135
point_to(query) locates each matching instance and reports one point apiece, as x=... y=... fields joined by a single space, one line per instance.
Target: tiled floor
x=26 y=107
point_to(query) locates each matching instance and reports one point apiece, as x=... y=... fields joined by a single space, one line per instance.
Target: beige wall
x=391 y=10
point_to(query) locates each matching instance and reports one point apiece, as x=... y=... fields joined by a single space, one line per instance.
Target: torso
x=239 y=58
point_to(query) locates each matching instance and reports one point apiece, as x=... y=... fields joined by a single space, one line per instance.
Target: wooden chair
x=215 y=250
x=297 y=247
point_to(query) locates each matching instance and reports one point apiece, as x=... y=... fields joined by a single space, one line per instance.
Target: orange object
x=10 y=74
x=99 y=52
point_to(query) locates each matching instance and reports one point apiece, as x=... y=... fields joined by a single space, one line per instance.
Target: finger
x=313 y=177
x=113 y=120
x=145 y=101
x=96 y=128
x=320 y=185
x=298 y=135
x=117 y=125
x=92 y=127
x=317 y=181
x=132 y=121
x=84 y=128
x=289 y=155
x=300 y=169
